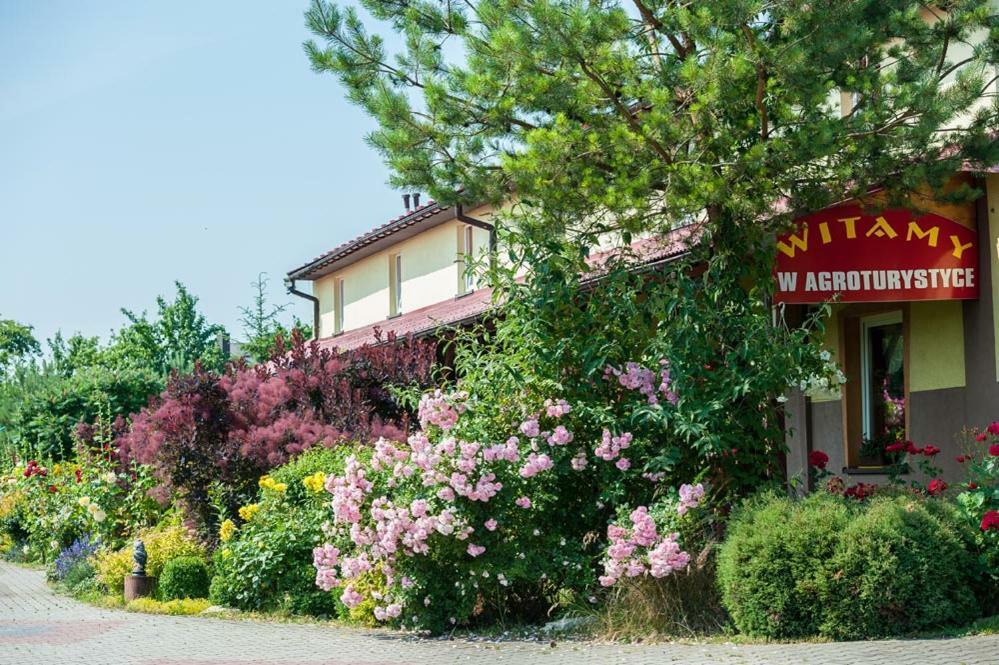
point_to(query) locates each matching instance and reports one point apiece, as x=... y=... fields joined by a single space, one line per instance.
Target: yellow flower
x=246 y=513
x=268 y=483
x=226 y=531
x=226 y=553
x=316 y=482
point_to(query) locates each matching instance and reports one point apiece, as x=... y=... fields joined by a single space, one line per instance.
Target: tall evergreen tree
x=640 y=115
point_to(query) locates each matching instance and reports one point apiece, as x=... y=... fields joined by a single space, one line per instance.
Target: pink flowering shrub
x=482 y=510
x=647 y=542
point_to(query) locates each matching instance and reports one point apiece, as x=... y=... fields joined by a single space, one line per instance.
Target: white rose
x=84 y=501
x=781 y=399
x=100 y=515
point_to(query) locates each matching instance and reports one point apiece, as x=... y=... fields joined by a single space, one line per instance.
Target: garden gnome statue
x=139 y=557
x=138 y=585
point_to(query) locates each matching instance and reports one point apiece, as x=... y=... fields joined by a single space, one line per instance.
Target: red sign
x=885 y=256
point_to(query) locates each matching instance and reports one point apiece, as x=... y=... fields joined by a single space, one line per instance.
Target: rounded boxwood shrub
x=771 y=562
x=835 y=567
x=184 y=577
x=898 y=568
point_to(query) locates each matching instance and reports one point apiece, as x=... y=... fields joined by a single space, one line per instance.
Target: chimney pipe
x=416 y=200
x=405 y=201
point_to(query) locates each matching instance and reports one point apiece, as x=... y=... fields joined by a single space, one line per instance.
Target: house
x=913 y=325
x=411 y=275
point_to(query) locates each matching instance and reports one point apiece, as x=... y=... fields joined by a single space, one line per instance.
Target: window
x=882 y=367
x=338 y=303
x=876 y=386
x=466 y=251
x=395 y=284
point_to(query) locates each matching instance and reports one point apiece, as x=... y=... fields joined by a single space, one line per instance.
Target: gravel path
x=39 y=627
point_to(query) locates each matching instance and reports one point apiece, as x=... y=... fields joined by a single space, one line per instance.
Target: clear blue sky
x=143 y=142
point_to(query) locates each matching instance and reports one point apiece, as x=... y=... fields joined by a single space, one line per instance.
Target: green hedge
x=830 y=566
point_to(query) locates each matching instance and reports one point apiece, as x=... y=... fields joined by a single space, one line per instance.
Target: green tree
x=637 y=116
x=17 y=344
x=262 y=323
x=178 y=337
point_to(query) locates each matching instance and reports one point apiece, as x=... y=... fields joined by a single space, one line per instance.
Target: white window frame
x=395 y=284
x=866 y=323
x=467 y=255
x=338 y=305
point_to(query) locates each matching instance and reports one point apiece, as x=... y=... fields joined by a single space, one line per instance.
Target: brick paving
x=39 y=627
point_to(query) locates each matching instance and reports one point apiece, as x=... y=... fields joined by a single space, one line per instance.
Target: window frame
x=338 y=305
x=851 y=350
x=395 y=284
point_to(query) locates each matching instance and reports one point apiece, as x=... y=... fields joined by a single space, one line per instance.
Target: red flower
x=972 y=485
x=911 y=448
x=79 y=475
x=993 y=429
x=990 y=520
x=961 y=459
x=936 y=487
x=52 y=489
x=930 y=451
x=895 y=448
x=818 y=459
x=994 y=450
x=860 y=491
x=981 y=437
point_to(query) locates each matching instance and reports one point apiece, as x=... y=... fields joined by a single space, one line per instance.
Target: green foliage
x=897 y=569
x=184 y=577
x=16 y=344
x=177 y=338
x=42 y=411
x=176 y=607
x=267 y=564
x=262 y=324
x=830 y=566
x=772 y=559
x=79 y=576
x=720 y=109
x=727 y=364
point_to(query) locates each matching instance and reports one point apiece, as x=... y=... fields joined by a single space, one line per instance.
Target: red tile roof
x=419 y=321
x=472 y=306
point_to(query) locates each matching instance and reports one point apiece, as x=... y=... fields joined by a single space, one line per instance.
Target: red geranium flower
x=52 y=489
x=993 y=429
x=911 y=448
x=972 y=485
x=936 y=487
x=994 y=450
x=895 y=448
x=930 y=451
x=990 y=520
x=961 y=459
x=79 y=475
x=981 y=437
x=818 y=459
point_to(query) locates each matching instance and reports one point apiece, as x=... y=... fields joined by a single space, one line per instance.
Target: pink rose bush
x=637 y=545
x=477 y=505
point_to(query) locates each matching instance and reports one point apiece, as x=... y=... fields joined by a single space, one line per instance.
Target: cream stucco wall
x=431 y=273
x=936 y=345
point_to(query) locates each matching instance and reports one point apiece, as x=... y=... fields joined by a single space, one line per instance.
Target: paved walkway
x=39 y=627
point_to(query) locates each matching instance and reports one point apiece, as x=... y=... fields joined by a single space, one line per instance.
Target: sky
x=146 y=142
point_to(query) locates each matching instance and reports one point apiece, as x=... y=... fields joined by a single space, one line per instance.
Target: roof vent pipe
x=416 y=200
x=405 y=201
